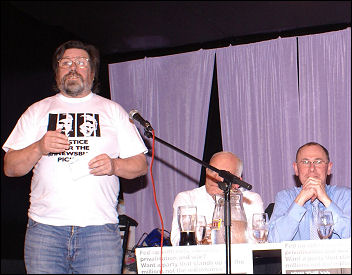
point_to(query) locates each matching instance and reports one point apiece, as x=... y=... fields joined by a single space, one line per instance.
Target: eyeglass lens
x=80 y=62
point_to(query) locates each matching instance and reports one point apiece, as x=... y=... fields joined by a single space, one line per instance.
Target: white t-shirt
x=252 y=203
x=62 y=190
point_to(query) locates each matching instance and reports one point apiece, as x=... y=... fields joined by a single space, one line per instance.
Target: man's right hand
x=211 y=182
x=18 y=163
x=53 y=142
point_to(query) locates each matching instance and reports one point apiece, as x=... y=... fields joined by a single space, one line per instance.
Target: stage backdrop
x=274 y=96
x=173 y=94
x=278 y=95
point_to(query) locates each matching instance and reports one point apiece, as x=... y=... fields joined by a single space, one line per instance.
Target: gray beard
x=73 y=88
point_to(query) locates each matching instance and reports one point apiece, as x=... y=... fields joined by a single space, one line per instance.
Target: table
x=321 y=256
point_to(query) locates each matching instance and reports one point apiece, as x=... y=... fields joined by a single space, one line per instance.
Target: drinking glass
x=187 y=220
x=260 y=227
x=325 y=224
x=201 y=229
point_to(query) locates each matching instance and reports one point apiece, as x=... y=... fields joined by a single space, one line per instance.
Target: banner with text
x=199 y=259
x=317 y=257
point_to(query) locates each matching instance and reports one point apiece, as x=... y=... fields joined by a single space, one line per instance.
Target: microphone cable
x=157 y=207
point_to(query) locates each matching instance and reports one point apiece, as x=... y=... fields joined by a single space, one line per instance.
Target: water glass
x=325 y=224
x=201 y=229
x=260 y=226
x=187 y=220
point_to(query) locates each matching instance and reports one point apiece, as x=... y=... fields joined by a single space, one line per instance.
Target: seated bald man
x=204 y=197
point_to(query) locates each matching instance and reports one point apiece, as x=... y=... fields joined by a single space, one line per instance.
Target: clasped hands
x=313 y=188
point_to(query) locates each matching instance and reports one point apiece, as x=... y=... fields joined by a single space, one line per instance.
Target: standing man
x=72 y=221
x=293 y=211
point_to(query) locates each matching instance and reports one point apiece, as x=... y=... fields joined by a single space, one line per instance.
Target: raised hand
x=53 y=142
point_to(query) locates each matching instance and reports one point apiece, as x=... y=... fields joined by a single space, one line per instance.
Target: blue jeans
x=72 y=249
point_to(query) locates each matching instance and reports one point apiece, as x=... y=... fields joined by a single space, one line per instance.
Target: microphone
x=134 y=115
x=230 y=178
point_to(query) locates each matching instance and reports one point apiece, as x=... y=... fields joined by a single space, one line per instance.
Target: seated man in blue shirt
x=292 y=214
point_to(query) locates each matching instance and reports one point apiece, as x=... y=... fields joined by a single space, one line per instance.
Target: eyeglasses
x=316 y=163
x=81 y=62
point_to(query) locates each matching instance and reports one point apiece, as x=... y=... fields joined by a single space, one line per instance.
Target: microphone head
x=132 y=113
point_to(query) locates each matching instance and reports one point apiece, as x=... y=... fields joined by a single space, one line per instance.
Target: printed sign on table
x=201 y=259
x=317 y=257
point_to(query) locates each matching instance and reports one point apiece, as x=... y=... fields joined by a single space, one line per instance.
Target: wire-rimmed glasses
x=315 y=163
x=81 y=62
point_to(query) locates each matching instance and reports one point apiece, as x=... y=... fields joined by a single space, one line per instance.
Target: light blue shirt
x=291 y=222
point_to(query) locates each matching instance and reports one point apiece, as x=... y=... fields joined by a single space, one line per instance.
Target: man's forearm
x=130 y=168
x=18 y=163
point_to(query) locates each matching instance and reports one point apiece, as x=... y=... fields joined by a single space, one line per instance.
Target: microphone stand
x=227 y=222
x=229 y=179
